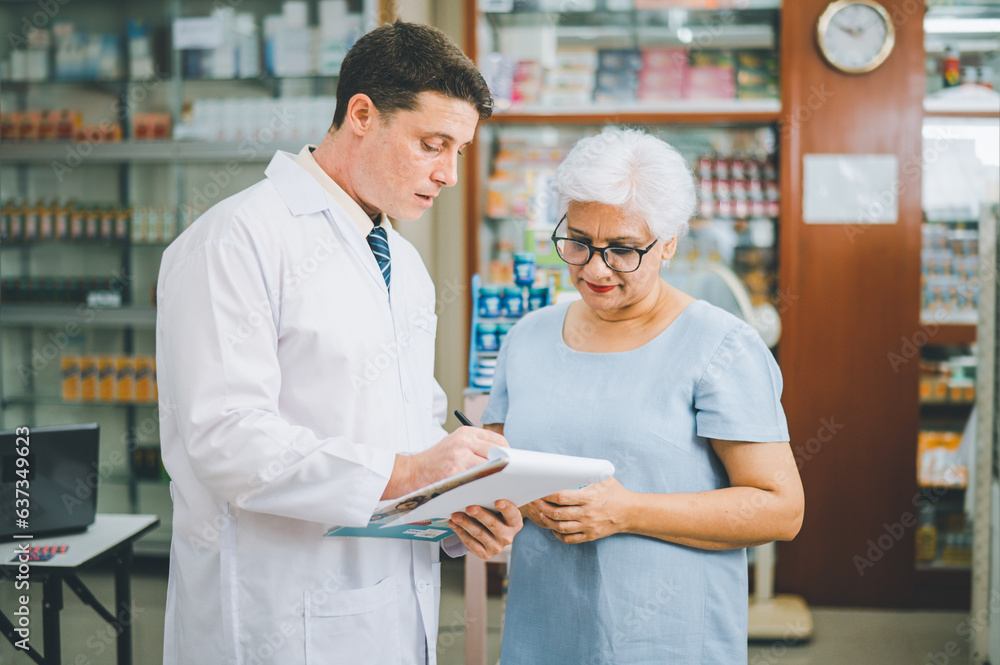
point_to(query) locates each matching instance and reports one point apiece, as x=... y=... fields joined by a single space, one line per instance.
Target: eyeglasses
x=619 y=259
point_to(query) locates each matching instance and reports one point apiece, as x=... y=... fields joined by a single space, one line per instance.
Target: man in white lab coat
x=295 y=369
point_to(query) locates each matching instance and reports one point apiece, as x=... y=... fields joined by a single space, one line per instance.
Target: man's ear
x=361 y=114
x=669 y=248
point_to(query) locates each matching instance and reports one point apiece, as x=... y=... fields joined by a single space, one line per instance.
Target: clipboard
x=519 y=476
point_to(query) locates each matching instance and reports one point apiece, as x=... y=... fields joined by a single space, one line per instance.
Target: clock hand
x=849 y=30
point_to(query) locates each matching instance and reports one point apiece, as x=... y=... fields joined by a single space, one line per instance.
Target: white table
x=109 y=537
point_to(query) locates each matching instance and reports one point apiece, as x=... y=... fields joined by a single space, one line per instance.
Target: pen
x=462 y=419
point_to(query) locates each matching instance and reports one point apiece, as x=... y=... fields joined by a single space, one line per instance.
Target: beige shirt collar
x=364 y=223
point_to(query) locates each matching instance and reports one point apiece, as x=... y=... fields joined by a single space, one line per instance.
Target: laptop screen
x=62 y=473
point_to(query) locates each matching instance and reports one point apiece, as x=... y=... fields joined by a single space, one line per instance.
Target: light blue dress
x=629 y=599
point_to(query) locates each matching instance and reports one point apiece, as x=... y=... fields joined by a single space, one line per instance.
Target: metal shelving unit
x=173 y=174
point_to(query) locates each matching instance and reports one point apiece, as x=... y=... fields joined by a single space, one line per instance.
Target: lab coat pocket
x=351 y=626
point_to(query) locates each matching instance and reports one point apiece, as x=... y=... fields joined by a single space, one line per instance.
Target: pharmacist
x=295 y=347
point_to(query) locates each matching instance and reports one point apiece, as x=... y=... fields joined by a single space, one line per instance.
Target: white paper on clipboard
x=528 y=475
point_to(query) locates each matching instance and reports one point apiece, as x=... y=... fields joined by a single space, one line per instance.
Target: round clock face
x=855 y=36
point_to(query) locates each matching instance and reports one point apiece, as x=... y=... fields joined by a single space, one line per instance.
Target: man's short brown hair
x=395 y=62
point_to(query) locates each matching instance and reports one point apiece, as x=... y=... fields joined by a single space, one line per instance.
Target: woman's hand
x=579 y=516
x=532 y=511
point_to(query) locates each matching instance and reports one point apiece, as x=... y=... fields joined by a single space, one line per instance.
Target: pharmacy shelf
x=701 y=112
x=81 y=315
x=150 y=152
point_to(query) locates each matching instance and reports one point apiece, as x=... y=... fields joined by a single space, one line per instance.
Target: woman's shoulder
x=713 y=325
x=541 y=320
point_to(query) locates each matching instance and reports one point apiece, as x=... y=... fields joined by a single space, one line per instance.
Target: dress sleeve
x=738 y=397
x=496 y=408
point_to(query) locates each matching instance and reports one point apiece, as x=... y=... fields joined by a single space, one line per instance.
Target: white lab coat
x=288 y=381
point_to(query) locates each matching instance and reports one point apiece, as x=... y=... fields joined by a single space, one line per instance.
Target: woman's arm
x=763 y=503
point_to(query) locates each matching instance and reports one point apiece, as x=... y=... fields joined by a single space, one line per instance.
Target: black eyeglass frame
x=591 y=249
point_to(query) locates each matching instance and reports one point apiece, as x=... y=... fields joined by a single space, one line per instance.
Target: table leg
x=475 y=610
x=52 y=604
x=123 y=604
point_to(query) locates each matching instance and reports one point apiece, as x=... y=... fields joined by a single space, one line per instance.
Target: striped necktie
x=379 y=242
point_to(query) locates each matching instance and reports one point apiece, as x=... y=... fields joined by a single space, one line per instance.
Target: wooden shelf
x=953 y=333
x=942 y=588
x=989 y=115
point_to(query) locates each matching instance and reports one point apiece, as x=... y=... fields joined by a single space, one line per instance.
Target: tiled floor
x=842 y=637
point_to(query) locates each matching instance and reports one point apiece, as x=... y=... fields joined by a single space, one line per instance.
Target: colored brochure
x=429 y=530
x=519 y=476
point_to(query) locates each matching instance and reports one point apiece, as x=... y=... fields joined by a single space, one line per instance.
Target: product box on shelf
x=950 y=273
x=39 y=290
x=941 y=462
x=570 y=81
x=106 y=378
x=70 y=366
x=496 y=309
x=140 y=50
x=151 y=126
x=22 y=223
x=664 y=74
x=88 y=378
x=80 y=55
x=124 y=379
x=147 y=464
x=756 y=75
x=526 y=87
x=711 y=75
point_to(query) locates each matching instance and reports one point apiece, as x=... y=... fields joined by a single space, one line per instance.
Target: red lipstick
x=597 y=288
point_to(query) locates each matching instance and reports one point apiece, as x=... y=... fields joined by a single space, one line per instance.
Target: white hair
x=633 y=171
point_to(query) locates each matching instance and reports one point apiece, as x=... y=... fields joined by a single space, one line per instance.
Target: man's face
x=407 y=160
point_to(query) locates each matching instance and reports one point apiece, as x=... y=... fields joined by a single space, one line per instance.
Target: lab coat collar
x=299 y=190
x=304 y=196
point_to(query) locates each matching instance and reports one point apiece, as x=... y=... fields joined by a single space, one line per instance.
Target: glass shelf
x=52 y=400
x=150 y=152
x=733 y=110
x=941 y=565
x=60 y=315
x=265 y=79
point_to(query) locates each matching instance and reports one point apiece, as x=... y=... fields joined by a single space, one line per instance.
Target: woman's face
x=601 y=225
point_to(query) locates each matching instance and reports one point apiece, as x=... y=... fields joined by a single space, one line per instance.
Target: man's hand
x=484 y=533
x=464 y=448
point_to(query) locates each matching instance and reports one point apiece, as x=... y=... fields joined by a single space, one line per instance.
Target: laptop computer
x=62 y=474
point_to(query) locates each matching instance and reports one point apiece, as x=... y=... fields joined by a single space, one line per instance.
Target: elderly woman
x=684 y=399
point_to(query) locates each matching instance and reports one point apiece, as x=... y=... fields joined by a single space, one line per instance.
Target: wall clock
x=855 y=36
